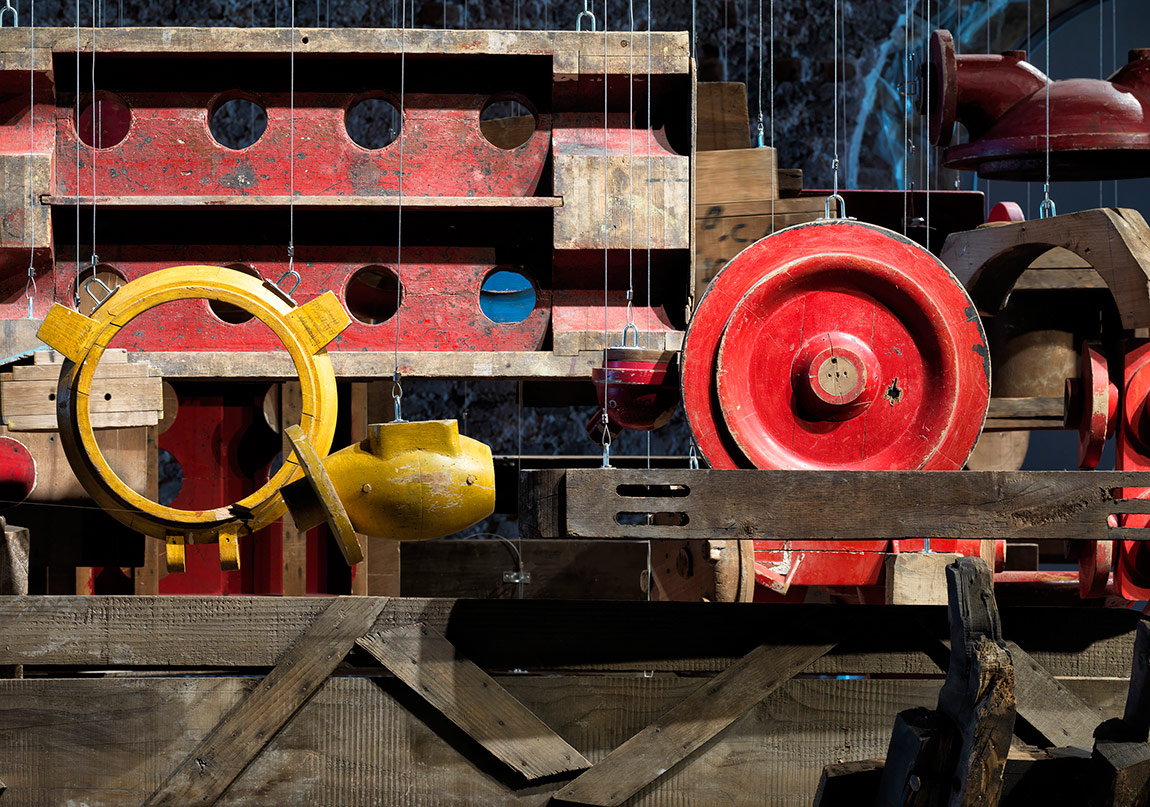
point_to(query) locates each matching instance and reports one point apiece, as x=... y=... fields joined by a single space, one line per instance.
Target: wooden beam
x=847 y=784
x=239 y=738
x=868 y=505
x=702 y=715
x=1115 y=242
x=1046 y=704
x=423 y=659
x=306 y=202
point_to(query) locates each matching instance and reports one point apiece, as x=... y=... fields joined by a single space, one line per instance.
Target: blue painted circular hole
x=507 y=296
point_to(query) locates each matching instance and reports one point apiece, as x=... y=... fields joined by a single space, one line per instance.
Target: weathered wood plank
x=868 y=505
x=701 y=716
x=721 y=120
x=424 y=660
x=237 y=739
x=113 y=631
x=108 y=742
x=1046 y=704
x=307 y=202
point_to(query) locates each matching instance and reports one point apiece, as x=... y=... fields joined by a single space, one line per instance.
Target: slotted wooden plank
x=423 y=659
x=868 y=505
x=702 y=715
x=237 y=739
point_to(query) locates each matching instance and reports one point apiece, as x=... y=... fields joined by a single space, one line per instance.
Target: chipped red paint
x=17 y=472
x=439 y=309
x=169 y=151
x=1131 y=573
x=1097 y=128
x=822 y=281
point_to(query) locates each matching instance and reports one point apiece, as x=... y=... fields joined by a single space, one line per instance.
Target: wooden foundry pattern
x=475 y=207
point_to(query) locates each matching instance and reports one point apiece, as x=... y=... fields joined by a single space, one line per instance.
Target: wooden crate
x=367 y=700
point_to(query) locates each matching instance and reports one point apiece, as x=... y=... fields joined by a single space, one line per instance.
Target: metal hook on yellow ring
x=303 y=330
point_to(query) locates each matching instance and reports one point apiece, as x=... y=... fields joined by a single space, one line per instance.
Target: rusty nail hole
x=51 y=396
x=366 y=487
x=893 y=393
x=107 y=396
x=304 y=40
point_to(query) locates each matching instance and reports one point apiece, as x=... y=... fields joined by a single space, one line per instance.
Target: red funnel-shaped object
x=1099 y=129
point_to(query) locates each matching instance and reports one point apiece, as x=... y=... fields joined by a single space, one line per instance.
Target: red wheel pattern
x=835 y=344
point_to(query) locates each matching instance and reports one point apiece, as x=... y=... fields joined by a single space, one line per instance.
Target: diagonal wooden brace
x=244 y=732
x=427 y=662
x=701 y=716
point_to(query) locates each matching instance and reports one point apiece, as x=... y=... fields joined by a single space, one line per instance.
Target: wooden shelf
x=306 y=202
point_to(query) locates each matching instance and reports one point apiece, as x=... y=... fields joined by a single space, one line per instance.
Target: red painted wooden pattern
x=1131 y=560
x=439 y=308
x=1097 y=128
x=169 y=151
x=846 y=563
x=817 y=281
x=17 y=472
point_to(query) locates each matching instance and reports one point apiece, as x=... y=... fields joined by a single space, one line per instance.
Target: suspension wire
x=1029 y=55
x=1101 y=70
x=1114 y=60
x=928 y=153
x=835 y=96
x=775 y=154
x=79 y=141
x=396 y=380
x=905 y=96
x=957 y=50
x=518 y=465
x=98 y=135
x=30 y=287
x=986 y=199
x=759 y=137
x=1047 y=209
x=630 y=174
x=605 y=438
x=650 y=134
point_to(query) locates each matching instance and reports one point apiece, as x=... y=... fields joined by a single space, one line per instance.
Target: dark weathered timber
x=978 y=695
x=144 y=631
x=1137 y=714
x=834 y=505
x=1124 y=769
x=702 y=715
x=237 y=739
x=847 y=784
x=917 y=772
x=471 y=699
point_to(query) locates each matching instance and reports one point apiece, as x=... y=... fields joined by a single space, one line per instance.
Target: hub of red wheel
x=836 y=344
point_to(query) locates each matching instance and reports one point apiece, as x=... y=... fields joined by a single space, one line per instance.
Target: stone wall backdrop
x=879 y=143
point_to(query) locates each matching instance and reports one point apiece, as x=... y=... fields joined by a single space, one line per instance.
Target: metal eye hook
x=842 y=207
x=291 y=272
x=15 y=15
x=586 y=12
x=99 y=301
x=606 y=440
x=397 y=395
x=1047 y=210
x=634 y=331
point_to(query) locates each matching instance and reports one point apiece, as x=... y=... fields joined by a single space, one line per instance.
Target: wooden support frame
x=607 y=678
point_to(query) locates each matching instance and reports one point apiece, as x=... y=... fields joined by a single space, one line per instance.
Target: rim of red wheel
x=835 y=344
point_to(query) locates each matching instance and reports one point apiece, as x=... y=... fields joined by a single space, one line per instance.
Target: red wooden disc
x=1099 y=407
x=835 y=344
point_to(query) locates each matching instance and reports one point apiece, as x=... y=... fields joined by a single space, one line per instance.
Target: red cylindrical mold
x=17 y=472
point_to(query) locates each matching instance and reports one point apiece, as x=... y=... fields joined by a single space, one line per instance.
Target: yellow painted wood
x=176 y=553
x=84 y=340
x=333 y=508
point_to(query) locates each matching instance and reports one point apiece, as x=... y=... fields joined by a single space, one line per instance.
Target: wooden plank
x=988 y=261
x=701 y=716
x=1046 y=704
x=917 y=578
x=721 y=118
x=566 y=570
x=369 y=365
x=294 y=540
x=790 y=182
x=13 y=575
x=1026 y=408
x=424 y=660
x=696 y=638
x=307 y=202
x=238 y=739
x=573 y=52
x=792 y=505
x=845 y=784
x=109 y=741
x=734 y=175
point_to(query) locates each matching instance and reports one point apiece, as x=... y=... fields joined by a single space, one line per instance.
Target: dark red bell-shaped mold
x=835 y=345
x=1099 y=129
x=638 y=387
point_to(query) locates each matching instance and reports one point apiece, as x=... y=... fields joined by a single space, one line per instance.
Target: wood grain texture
x=1115 y=242
x=573 y=52
x=701 y=716
x=467 y=696
x=1046 y=704
x=237 y=739
x=721 y=120
x=690 y=638
x=782 y=505
x=914 y=578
